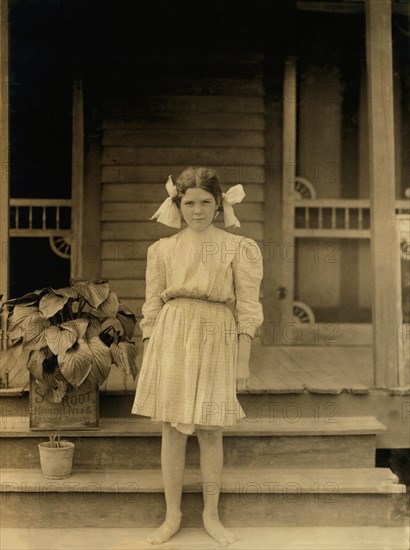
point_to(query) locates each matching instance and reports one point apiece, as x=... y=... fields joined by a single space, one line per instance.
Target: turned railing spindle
x=320 y=217
x=347 y=218
x=307 y=217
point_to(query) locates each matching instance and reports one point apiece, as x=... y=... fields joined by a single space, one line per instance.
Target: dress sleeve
x=155 y=284
x=248 y=272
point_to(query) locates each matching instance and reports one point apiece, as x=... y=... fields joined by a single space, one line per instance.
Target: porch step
x=382 y=403
x=248 y=538
x=12 y=426
x=258 y=497
x=120 y=443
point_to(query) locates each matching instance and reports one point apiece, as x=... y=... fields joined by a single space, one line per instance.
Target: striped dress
x=202 y=290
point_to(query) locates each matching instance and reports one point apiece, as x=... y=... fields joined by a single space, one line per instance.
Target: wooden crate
x=79 y=409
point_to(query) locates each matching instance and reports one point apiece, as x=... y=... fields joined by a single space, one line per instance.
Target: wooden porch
x=276 y=369
x=317 y=369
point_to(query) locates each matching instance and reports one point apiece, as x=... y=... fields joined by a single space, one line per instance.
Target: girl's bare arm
x=242 y=369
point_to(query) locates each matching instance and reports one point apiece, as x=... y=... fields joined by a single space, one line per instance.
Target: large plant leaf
x=75 y=363
x=16 y=334
x=55 y=300
x=35 y=364
x=94 y=293
x=124 y=355
x=127 y=311
x=28 y=299
x=50 y=304
x=128 y=323
x=35 y=332
x=59 y=341
x=56 y=392
x=66 y=292
x=101 y=365
x=110 y=306
x=55 y=383
x=113 y=324
x=50 y=365
x=94 y=329
x=77 y=326
x=20 y=315
x=55 y=380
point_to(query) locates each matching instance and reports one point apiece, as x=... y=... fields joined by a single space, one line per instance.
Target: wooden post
x=91 y=263
x=77 y=181
x=287 y=251
x=4 y=152
x=386 y=290
x=272 y=218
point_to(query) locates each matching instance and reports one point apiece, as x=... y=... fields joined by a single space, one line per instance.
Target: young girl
x=199 y=318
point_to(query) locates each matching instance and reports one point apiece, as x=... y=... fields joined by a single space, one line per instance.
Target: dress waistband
x=190 y=299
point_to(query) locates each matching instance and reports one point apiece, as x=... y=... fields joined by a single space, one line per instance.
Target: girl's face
x=198 y=208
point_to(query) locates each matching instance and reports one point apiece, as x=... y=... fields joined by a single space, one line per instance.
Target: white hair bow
x=234 y=195
x=168 y=212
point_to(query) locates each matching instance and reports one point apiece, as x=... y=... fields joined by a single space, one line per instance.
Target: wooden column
x=273 y=215
x=287 y=250
x=4 y=151
x=386 y=290
x=77 y=181
x=91 y=262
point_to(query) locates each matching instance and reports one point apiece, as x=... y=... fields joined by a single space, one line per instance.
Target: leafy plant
x=73 y=334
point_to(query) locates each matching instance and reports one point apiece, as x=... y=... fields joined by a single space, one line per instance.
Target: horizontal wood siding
x=130 y=156
x=188 y=138
x=154 y=127
x=251 y=174
x=201 y=121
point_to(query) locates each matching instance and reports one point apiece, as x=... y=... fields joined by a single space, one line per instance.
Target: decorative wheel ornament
x=303 y=314
x=61 y=246
x=304 y=189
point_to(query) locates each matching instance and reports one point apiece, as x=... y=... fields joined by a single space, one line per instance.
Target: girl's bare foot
x=217 y=531
x=167 y=530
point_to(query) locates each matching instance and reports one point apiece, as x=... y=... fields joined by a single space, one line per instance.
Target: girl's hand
x=242 y=375
x=242 y=368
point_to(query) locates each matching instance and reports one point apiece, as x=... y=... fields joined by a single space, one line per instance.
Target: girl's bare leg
x=211 y=456
x=173 y=449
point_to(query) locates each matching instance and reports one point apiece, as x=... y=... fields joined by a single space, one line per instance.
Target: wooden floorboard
x=306 y=366
x=320 y=369
x=359 y=360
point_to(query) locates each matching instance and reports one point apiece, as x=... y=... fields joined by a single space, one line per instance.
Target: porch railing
x=40 y=217
x=338 y=218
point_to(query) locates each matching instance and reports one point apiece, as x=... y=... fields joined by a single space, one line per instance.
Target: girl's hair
x=202 y=177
